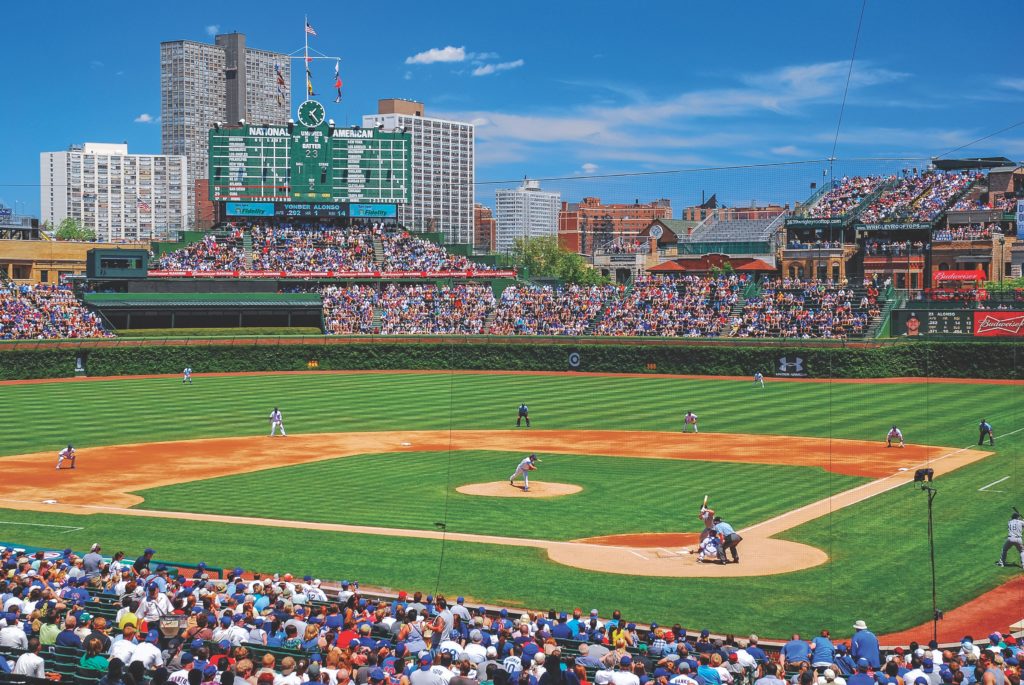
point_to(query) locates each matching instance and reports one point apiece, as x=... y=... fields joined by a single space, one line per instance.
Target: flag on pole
x=309 y=28
x=142 y=205
x=337 y=79
x=280 y=84
x=309 y=83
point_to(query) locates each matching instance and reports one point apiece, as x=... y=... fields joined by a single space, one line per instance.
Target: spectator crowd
x=38 y=312
x=115 y=621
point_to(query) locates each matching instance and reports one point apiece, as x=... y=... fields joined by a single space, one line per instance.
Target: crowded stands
x=209 y=254
x=789 y=308
x=113 y=621
x=428 y=309
x=934 y=200
x=972 y=232
x=525 y=310
x=39 y=312
x=690 y=306
x=844 y=197
x=311 y=249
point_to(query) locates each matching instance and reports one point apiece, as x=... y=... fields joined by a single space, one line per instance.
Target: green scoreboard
x=310 y=161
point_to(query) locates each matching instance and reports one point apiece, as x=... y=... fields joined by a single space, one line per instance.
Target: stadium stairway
x=378 y=250
x=247 y=248
x=376 y=322
x=489 y=321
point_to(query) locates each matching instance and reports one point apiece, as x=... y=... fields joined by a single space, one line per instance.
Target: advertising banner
x=999 y=324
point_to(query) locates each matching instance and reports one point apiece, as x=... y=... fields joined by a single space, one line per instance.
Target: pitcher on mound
x=524 y=468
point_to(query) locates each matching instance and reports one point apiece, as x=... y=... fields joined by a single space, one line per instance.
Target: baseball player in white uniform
x=690 y=420
x=759 y=380
x=276 y=423
x=1014 y=533
x=186 y=375
x=66 y=453
x=894 y=434
x=524 y=468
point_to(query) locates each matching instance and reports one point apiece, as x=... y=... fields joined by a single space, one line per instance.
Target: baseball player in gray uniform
x=1014 y=531
x=524 y=468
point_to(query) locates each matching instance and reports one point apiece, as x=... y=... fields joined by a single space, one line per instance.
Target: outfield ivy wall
x=922 y=359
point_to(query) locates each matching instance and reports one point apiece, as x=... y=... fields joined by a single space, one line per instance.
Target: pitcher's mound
x=501 y=488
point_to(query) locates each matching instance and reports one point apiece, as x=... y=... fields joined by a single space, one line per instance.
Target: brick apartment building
x=589 y=224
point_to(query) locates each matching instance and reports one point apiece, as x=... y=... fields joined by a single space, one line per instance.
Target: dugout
x=127 y=311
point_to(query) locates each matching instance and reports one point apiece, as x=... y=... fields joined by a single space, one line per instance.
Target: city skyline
x=762 y=87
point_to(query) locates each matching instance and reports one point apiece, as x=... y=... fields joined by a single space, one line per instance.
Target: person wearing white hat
x=864 y=645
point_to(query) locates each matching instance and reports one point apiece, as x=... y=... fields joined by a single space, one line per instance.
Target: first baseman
x=690 y=420
x=66 y=453
x=276 y=422
x=1014 y=531
x=894 y=434
x=524 y=468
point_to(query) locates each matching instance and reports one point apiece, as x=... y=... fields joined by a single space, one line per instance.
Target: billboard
x=999 y=324
x=914 y=323
x=315 y=164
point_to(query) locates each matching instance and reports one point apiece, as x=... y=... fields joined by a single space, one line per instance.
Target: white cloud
x=96 y=64
x=408 y=76
x=212 y=29
x=787 y=151
x=144 y=118
x=488 y=69
x=1011 y=83
x=588 y=168
x=448 y=53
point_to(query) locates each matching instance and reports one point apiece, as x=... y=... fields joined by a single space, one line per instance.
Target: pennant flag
x=337 y=79
x=309 y=83
x=309 y=29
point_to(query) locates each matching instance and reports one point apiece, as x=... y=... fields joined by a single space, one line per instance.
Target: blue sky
x=561 y=89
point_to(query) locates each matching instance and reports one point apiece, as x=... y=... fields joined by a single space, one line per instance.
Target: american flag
x=309 y=29
x=142 y=204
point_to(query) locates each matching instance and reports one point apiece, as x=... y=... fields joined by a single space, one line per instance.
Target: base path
x=110 y=474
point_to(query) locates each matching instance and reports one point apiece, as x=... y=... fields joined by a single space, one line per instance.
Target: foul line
x=67 y=529
x=995 y=482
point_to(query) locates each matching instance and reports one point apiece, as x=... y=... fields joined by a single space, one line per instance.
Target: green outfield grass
x=879 y=563
x=421 y=480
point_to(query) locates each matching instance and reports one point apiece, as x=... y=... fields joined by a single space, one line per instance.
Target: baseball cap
x=224 y=644
x=152 y=636
x=705 y=632
x=196 y=644
x=862 y=663
x=626 y=660
x=426 y=659
x=921 y=680
x=400 y=651
x=377 y=674
x=187 y=658
x=210 y=671
x=314 y=669
x=927 y=663
x=148 y=550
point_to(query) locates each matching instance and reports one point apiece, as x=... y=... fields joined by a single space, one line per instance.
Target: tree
x=544 y=257
x=72 y=229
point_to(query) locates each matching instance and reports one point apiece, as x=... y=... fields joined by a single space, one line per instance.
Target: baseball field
x=400 y=480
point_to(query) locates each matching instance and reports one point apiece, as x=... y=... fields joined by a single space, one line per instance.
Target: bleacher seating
x=36 y=312
x=718 y=230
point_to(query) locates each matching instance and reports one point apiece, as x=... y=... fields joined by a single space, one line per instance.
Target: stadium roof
x=708 y=262
x=975 y=163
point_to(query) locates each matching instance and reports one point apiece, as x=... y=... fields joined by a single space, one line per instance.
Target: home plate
x=406 y=444
x=903 y=468
x=49 y=501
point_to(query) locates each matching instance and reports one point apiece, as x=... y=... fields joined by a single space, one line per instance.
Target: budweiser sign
x=1007 y=324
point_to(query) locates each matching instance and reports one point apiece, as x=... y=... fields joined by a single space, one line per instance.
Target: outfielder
x=985 y=430
x=894 y=434
x=759 y=380
x=524 y=415
x=690 y=420
x=1014 y=531
x=276 y=422
x=186 y=376
x=66 y=453
x=524 y=468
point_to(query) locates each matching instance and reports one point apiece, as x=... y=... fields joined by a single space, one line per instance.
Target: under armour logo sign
x=787 y=366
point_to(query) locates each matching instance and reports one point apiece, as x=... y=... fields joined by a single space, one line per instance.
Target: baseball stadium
x=321 y=436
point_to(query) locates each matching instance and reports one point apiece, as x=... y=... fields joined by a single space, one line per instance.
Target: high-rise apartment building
x=120 y=196
x=485 y=229
x=201 y=84
x=443 y=168
x=525 y=212
x=589 y=224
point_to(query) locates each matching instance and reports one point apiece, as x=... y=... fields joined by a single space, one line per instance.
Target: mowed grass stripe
x=664 y=495
x=110 y=412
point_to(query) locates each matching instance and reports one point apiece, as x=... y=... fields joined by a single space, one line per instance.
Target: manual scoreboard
x=310 y=163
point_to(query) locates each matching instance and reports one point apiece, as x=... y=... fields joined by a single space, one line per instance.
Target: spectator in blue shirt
x=755 y=651
x=67 y=637
x=706 y=674
x=864 y=645
x=844 y=662
x=796 y=653
x=823 y=653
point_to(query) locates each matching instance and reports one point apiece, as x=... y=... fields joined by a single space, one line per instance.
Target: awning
x=974 y=275
x=667 y=266
x=756 y=265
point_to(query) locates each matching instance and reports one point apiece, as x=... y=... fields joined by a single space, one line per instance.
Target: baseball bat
x=705 y=502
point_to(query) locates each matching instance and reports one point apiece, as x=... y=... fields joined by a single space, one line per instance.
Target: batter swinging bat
x=704 y=506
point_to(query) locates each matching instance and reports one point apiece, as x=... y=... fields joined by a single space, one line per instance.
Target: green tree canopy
x=72 y=229
x=544 y=257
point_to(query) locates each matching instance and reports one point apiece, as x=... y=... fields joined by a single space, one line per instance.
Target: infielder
x=1014 y=531
x=759 y=380
x=276 y=422
x=66 y=453
x=690 y=420
x=985 y=430
x=524 y=414
x=894 y=434
x=524 y=468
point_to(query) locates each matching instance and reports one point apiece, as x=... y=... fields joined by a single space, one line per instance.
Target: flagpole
x=305 y=52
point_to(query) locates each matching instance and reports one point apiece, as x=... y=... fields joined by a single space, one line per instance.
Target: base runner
x=524 y=468
x=894 y=434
